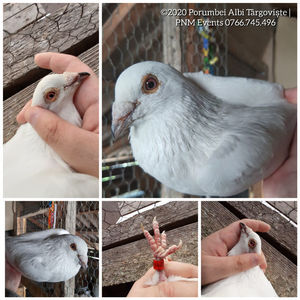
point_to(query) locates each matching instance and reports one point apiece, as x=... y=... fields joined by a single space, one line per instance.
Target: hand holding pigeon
x=51 y=255
x=55 y=124
x=201 y=134
x=235 y=272
x=12 y=278
x=214 y=248
x=283 y=182
x=69 y=141
x=168 y=288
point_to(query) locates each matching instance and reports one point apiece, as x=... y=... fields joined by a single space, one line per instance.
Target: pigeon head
x=77 y=249
x=141 y=90
x=54 y=90
x=249 y=242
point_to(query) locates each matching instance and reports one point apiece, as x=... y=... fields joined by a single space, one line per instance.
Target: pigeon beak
x=83 y=75
x=74 y=79
x=83 y=260
x=123 y=122
x=243 y=228
x=119 y=126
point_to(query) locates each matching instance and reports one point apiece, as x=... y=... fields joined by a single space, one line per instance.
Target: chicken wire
x=134 y=33
x=279 y=244
x=87 y=228
x=126 y=253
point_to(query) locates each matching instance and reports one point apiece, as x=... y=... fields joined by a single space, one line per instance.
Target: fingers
x=283 y=183
x=76 y=146
x=291 y=95
x=90 y=119
x=148 y=275
x=181 y=269
x=255 y=225
x=176 y=289
x=60 y=63
x=165 y=289
x=88 y=92
x=263 y=265
x=230 y=235
x=21 y=117
x=214 y=268
x=168 y=289
x=12 y=277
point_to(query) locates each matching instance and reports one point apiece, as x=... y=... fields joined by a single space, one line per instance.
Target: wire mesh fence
x=37 y=216
x=134 y=33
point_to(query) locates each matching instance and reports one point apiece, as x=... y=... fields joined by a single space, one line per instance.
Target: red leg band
x=158 y=265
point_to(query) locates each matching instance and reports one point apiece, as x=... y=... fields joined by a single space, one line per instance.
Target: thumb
x=76 y=146
x=215 y=268
x=291 y=95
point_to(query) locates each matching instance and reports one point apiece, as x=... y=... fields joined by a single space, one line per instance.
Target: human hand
x=216 y=265
x=168 y=289
x=283 y=182
x=79 y=147
x=12 y=278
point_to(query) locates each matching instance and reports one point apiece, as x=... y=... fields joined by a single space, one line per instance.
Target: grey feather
x=46 y=256
x=201 y=134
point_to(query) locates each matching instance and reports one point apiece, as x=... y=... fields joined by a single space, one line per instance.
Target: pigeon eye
x=51 y=95
x=73 y=246
x=252 y=243
x=150 y=84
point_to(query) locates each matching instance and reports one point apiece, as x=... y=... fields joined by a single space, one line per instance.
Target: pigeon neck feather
x=65 y=110
x=68 y=112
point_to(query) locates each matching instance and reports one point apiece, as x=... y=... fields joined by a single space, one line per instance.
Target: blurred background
x=138 y=32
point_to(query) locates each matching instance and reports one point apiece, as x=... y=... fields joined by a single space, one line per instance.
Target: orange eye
x=51 y=95
x=150 y=84
x=252 y=243
x=73 y=247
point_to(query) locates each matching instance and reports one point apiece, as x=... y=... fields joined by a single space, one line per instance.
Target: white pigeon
x=251 y=283
x=31 y=167
x=52 y=255
x=201 y=134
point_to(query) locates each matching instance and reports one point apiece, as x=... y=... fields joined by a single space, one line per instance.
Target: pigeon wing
x=236 y=90
x=34 y=267
x=38 y=235
x=20 y=252
x=41 y=256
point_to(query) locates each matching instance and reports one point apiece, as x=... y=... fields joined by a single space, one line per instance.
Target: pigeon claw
x=158 y=243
